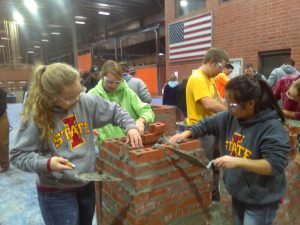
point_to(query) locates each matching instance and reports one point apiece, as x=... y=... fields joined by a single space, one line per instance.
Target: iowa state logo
x=72 y=132
x=235 y=147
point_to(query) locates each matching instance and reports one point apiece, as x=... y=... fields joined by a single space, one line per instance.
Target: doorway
x=272 y=59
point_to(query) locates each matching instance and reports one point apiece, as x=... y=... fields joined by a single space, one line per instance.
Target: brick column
x=158 y=187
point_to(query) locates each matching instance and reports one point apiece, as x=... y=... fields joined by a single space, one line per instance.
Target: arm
x=291 y=115
x=25 y=149
x=106 y=112
x=208 y=125
x=145 y=115
x=211 y=105
x=259 y=166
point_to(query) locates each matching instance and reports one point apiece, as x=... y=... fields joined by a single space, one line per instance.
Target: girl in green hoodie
x=112 y=87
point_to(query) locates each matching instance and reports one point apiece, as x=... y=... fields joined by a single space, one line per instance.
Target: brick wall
x=158 y=187
x=243 y=28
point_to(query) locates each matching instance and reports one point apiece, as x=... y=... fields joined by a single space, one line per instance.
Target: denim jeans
x=246 y=214
x=68 y=208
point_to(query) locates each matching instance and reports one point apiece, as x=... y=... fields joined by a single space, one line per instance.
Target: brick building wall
x=244 y=28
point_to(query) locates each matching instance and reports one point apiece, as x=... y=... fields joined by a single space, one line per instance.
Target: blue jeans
x=68 y=208
x=246 y=214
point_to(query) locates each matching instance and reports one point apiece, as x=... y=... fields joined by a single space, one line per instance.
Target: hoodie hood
x=100 y=91
x=173 y=83
x=261 y=117
x=288 y=69
x=127 y=77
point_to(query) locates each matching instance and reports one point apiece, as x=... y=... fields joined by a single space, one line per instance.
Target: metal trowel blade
x=97 y=177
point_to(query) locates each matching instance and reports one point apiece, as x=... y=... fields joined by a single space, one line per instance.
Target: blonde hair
x=47 y=84
x=173 y=77
x=296 y=85
x=112 y=67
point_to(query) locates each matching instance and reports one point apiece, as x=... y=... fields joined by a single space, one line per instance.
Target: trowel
x=193 y=160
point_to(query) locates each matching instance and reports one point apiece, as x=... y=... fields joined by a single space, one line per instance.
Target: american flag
x=190 y=39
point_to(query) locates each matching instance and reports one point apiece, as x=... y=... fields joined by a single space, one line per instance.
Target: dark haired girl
x=254 y=147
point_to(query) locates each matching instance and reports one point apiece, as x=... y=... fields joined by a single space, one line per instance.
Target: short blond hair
x=112 y=67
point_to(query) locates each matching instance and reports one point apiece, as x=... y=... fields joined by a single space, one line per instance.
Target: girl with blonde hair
x=55 y=140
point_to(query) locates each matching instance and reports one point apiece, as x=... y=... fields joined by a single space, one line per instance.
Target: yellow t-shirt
x=221 y=80
x=198 y=86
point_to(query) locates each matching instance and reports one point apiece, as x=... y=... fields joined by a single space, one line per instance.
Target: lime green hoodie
x=129 y=101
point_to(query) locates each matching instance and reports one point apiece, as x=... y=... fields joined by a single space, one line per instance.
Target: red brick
x=146 y=155
x=149 y=138
x=157 y=128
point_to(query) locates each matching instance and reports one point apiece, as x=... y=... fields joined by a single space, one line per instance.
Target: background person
x=251 y=72
x=93 y=78
x=222 y=79
x=288 y=91
x=136 y=84
x=255 y=149
x=113 y=87
x=181 y=96
x=170 y=91
x=287 y=68
x=4 y=132
x=202 y=100
x=56 y=132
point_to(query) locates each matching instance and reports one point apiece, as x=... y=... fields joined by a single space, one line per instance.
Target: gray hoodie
x=72 y=139
x=139 y=87
x=278 y=73
x=262 y=137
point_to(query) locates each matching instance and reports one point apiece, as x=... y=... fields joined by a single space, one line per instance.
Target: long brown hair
x=47 y=84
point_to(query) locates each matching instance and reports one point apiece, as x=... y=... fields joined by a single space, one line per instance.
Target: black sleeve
x=3 y=101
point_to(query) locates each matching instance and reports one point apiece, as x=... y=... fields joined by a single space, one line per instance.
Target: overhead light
x=36 y=46
x=80 y=22
x=45 y=40
x=161 y=53
x=30 y=52
x=103 y=4
x=104 y=13
x=19 y=19
x=5 y=38
x=31 y=6
x=80 y=17
x=55 y=33
x=2 y=46
x=183 y=3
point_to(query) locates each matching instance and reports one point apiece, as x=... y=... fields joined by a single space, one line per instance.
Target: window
x=184 y=7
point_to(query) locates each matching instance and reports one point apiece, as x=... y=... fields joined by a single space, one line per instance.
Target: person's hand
x=140 y=124
x=227 y=162
x=58 y=163
x=134 y=137
x=178 y=137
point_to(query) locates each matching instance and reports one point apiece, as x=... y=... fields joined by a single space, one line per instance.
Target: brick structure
x=244 y=28
x=158 y=187
x=289 y=209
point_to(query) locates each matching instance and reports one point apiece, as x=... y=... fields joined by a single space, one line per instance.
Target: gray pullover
x=72 y=139
x=139 y=87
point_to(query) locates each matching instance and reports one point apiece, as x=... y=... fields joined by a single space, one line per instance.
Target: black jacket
x=3 y=101
x=90 y=83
